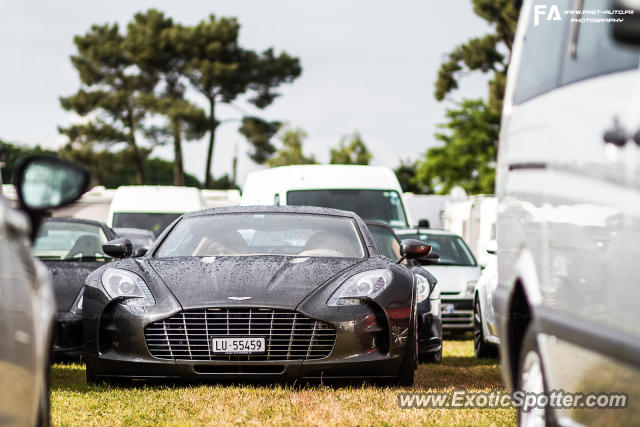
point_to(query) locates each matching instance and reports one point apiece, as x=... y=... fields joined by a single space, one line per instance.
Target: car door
x=587 y=267
x=18 y=370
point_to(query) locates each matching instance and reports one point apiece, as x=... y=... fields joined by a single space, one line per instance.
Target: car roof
x=76 y=220
x=274 y=209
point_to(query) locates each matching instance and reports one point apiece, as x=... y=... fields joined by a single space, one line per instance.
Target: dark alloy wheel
x=481 y=348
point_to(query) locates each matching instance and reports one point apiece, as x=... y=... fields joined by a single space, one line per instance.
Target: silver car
x=27 y=304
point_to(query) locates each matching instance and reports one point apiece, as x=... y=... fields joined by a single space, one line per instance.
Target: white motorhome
x=152 y=207
x=568 y=226
x=475 y=220
x=373 y=192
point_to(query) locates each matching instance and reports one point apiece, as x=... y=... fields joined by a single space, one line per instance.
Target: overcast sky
x=367 y=66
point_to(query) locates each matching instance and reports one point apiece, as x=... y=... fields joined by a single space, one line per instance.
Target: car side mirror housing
x=139 y=252
x=47 y=182
x=627 y=31
x=492 y=247
x=424 y=223
x=412 y=249
x=432 y=258
x=118 y=248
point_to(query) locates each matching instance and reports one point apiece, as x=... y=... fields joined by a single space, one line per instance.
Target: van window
x=156 y=222
x=597 y=53
x=542 y=52
x=380 y=205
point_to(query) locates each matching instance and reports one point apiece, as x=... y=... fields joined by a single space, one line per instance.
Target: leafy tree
x=161 y=49
x=221 y=71
x=467 y=156
x=259 y=133
x=113 y=169
x=10 y=155
x=291 y=151
x=354 y=152
x=407 y=174
x=113 y=94
x=490 y=53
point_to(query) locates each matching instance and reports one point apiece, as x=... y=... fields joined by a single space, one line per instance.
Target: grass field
x=75 y=403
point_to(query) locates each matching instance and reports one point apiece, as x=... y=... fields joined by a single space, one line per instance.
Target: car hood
x=276 y=281
x=454 y=278
x=68 y=278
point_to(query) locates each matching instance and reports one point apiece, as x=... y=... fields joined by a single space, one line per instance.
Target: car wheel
x=407 y=373
x=531 y=380
x=91 y=378
x=433 y=357
x=481 y=348
x=43 y=404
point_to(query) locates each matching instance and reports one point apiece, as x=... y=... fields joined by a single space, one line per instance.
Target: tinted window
x=156 y=222
x=69 y=240
x=542 y=52
x=452 y=249
x=597 y=53
x=263 y=234
x=378 y=205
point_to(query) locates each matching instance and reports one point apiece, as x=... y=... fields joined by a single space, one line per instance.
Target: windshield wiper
x=88 y=258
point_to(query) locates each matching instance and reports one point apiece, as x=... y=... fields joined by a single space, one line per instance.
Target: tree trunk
x=212 y=139
x=137 y=158
x=178 y=170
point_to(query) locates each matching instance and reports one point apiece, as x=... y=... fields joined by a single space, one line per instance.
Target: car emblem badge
x=239 y=298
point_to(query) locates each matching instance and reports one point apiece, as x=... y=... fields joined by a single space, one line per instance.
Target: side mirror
x=432 y=258
x=424 y=223
x=140 y=252
x=46 y=182
x=118 y=248
x=492 y=247
x=627 y=31
x=411 y=249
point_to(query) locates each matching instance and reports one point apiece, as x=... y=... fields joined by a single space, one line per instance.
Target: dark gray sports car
x=71 y=248
x=254 y=292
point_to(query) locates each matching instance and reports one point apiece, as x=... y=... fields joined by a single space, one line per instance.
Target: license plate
x=237 y=345
x=448 y=308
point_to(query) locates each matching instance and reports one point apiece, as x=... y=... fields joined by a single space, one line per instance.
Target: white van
x=151 y=207
x=568 y=222
x=373 y=192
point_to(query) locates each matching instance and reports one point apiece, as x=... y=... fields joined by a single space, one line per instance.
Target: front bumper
x=457 y=312
x=368 y=344
x=68 y=340
x=429 y=329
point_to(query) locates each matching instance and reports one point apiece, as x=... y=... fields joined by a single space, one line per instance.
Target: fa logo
x=541 y=9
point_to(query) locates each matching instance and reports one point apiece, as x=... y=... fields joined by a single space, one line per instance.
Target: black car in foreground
x=254 y=292
x=71 y=248
x=428 y=293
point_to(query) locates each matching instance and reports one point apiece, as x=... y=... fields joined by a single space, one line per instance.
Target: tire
x=531 y=378
x=433 y=357
x=407 y=372
x=43 y=404
x=91 y=378
x=481 y=348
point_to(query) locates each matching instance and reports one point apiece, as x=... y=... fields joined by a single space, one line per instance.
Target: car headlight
x=128 y=287
x=423 y=288
x=368 y=284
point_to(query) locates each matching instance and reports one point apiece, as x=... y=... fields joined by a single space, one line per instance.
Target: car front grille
x=288 y=335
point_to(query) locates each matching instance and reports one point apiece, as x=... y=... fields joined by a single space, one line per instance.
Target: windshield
x=378 y=205
x=263 y=234
x=155 y=222
x=452 y=249
x=69 y=240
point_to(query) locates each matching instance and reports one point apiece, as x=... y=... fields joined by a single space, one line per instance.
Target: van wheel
x=481 y=348
x=531 y=379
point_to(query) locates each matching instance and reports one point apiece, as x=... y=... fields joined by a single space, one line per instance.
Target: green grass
x=75 y=403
